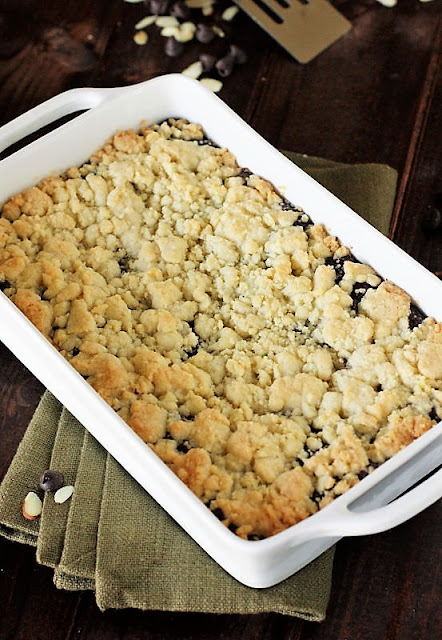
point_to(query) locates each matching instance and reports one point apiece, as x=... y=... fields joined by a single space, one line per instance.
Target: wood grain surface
x=374 y=96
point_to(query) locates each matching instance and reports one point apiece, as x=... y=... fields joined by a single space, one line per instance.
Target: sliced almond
x=229 y=13
x=188 y=26
x=218 y=31
x=194 y=70
x=186 y=32
x=167 y=32
x=145 y=22
x=63 y=494
x=166 y=21
x=184 y=36
x=212 y=84
x=199 y=4
x=32 y=506
x=141 y=37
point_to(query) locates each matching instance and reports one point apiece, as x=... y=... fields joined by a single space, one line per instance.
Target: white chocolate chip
x=212 y=84
x=229 y=13
x=32 y=506
x=388 y=3
x=194 y=70
x=141 y=37
x=63 y=494
x=145 y=22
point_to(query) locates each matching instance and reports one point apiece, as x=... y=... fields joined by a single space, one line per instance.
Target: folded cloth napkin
x=111 y=537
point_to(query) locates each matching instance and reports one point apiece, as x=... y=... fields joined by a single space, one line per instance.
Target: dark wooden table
x=374 y=96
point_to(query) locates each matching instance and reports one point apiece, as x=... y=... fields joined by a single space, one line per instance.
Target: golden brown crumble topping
x=248 y=348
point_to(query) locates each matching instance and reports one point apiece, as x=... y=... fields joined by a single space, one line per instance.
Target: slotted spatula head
x=304 y=29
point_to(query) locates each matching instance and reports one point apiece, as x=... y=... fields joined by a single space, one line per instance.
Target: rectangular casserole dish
x=371 y=506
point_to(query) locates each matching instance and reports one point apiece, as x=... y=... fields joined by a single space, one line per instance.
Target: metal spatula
x=303 y=28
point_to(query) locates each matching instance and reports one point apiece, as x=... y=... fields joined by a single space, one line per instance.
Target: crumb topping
x=264 y=364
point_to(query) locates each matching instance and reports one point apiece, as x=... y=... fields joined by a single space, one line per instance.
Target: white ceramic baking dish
x=371 y=506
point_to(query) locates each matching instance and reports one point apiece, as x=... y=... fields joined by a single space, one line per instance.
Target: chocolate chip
x=184 y=446
x=358 y=292
x=75 y=351
x=433 y=415
x=431 y=219
x=218 y=513
x=415 y=317
x=173 y=48
x=179 y=10
x=303 y=221
x=5 y=285
x=238 y=55
x=224 y=66
x=232 y=527
x=158 y=7
x=208 y=61
x=204 y=33
x=338 y=265
x=192 y=351
x=316 y=496
x=362 y=474
x=72 y=53
x=244 y=173
x=51 y=480
x=123 y=263
x=207 y=142
x=286 y=205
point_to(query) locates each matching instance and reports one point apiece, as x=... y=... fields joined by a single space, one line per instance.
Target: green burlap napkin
x=112 y=537
x=33 y=457
x=369 y=189
x=66 y=452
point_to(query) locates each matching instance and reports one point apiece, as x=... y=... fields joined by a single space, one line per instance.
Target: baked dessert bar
x=265 y=365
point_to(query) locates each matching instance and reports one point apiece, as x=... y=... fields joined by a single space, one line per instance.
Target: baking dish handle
x=356 y=523
x=51 y=110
